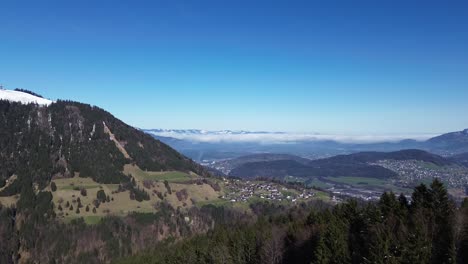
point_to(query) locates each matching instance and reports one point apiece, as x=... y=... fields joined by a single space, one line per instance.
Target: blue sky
x=344 y=67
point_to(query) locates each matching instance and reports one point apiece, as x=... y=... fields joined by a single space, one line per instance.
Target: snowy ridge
x=24 y=98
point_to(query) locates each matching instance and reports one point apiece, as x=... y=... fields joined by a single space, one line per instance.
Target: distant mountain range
x=203 y=145
x=207 y=132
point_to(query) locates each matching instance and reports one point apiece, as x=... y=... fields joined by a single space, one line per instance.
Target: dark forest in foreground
x=430 y=229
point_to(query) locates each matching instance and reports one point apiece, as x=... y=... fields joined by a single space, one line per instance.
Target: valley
x=101 y=180
x=234 y=132
x=363 y=175
x=77 y=197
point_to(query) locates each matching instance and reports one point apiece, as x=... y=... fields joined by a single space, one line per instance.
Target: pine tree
x=462 y=247
x=443 y=246
x=53 y=186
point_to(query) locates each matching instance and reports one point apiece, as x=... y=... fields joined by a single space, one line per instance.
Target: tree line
x=429 y=229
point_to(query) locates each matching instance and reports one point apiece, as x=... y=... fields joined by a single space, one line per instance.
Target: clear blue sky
x=345 y=67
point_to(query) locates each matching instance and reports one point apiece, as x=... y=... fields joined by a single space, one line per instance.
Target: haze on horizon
x=337 y=68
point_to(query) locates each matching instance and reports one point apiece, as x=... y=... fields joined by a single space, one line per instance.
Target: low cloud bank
x=279 y=137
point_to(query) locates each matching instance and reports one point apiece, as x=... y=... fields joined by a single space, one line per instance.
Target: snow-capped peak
x=22 y=97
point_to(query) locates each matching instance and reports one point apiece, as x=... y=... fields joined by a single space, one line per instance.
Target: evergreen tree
x=101 y=196
x=443 y=247
x=53 y=186
x=462 y=247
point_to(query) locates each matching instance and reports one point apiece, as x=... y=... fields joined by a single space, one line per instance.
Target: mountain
x=41 y=140
x=227 y=165
x=451 y=138
x=450 y=143
x=282 y=168
x=353 y=165
x=461 y=158
x=203 y=151
x=206 y=146
x=372 y=156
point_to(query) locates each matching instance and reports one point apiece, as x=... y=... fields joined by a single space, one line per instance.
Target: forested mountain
x=38 y=143
x=449 y=143
x=353 y=165
x=44 y=143
x=227 y=165
x=461 y=158
x=366 y=157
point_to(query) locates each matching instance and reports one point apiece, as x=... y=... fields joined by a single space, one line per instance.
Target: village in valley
x=412 y=172
x=247 y=191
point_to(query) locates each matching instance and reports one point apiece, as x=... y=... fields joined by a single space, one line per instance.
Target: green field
x=174 y=176
x=322 y=196
x=316 y=182
x=170 y=176
x=76 y=183
x=359 y=181
x=370 y=183
x=92 y=219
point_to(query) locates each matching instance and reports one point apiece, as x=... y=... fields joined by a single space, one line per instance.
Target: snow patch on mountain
x=24 y=98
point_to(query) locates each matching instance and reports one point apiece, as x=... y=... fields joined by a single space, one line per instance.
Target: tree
x=83 y=192
x=87 y=208
x=443 y=248
x=168 y=187
x=53 y=186
x=101 y=196
x=462 y=246
x=273 y=247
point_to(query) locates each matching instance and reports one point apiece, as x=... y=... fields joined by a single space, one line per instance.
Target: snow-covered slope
x=24 y=98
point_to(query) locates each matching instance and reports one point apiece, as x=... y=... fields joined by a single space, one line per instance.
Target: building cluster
x=413 y=172
x=243 y=191
x=344 y=192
